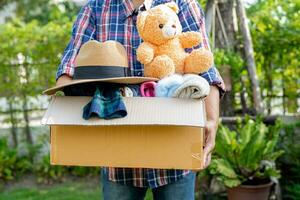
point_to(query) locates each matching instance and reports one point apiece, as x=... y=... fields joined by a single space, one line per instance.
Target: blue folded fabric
x=107 y=103
x=167 y=86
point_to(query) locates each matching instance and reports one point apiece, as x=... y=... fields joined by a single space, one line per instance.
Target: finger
x=207 y=161
x=208 y=149
x=206 y=153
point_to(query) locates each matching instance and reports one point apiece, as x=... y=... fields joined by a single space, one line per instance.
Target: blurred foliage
x=292 y=191
x=31 y=45
x=238 y=73
x=289 y=141
x=43 y=11
x=246 y=155
x=12 y=164
x=275 y=29
x=30 y=66
x=84 y=171
x=15 y=163
x=202 y=3
x=48 y=174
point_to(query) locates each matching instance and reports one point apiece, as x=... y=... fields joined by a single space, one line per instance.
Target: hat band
x=99 y=72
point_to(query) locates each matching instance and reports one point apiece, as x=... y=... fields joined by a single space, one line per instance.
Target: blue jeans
x=183 y=189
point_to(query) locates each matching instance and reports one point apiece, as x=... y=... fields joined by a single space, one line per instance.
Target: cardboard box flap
x=141 y=111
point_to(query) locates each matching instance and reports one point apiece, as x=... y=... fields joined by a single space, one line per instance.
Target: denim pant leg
x=116 y=191
x=183 y=189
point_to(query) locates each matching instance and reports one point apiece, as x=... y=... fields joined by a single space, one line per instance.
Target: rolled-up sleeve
x=83 y=31
x=192 y=18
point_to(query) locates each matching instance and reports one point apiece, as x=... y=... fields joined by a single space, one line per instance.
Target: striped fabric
x=104 y=20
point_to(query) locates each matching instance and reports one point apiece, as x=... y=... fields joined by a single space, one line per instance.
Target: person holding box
x=104 y=20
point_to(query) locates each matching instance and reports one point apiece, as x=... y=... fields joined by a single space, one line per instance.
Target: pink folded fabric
x=148 y=89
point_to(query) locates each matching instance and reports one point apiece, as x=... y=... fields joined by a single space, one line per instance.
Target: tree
x=29 y=67
x=249 y=55
x=42 y=10
x=38 y=36
x=275 y=27
x=223 y=37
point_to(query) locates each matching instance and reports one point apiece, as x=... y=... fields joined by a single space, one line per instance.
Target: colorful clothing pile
x=107 y=102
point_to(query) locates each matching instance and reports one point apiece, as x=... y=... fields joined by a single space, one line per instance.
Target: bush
x=292 y=191
x=247 y=155
x=289 y=163
x=12 y=165
x=84 y=171
x=47 y=173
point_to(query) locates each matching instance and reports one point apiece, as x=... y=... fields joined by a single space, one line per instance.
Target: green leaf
x=232 y=182
x=221 y=166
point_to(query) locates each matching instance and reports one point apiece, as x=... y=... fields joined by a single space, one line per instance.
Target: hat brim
x=121 y=80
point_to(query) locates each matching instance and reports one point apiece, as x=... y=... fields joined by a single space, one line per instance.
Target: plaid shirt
x=104 y=20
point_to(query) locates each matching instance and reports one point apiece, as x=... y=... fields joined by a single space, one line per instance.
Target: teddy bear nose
x=173 y=26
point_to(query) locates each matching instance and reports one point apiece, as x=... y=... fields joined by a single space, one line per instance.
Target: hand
x=63 y=79
x=210 y=137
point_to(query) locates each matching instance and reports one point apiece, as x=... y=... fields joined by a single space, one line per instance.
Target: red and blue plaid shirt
x=104 y=20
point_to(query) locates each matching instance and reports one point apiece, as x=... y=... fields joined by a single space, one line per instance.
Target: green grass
x=79 y=190
x=67 y=191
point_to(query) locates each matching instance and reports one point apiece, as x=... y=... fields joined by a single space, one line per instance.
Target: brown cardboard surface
x=164 y=133
x=141 y=111
x=163 y=147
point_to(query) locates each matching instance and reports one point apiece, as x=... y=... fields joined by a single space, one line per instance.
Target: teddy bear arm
x=190 y=39
x=145 y=53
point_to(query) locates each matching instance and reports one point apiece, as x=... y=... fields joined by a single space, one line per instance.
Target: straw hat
x=101 y=62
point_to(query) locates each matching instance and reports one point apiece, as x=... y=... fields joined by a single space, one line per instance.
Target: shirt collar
x=128 y=7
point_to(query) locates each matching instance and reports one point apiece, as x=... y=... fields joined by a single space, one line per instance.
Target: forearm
x=212 y=102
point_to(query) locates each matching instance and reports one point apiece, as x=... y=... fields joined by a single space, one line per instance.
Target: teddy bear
x=163 y=49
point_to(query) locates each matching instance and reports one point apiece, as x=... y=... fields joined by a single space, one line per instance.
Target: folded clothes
x=130 y=91
x=107 y=103
x=193 y=87
x=166 y=86
x=126 y=92
x=135 y=90
x=148 y=89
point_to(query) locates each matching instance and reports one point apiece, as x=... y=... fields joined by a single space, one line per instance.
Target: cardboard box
x=163 y=133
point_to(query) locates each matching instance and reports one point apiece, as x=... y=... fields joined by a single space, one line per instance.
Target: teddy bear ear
x=141 y=19
x=173 y=6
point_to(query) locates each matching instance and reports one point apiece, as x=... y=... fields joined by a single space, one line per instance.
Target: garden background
x=263 y=97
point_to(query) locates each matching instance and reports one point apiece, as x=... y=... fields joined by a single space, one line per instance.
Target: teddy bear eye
x=161 y=26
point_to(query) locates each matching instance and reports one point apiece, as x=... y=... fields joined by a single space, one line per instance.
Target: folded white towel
x=166 y=86
x=193 y=87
